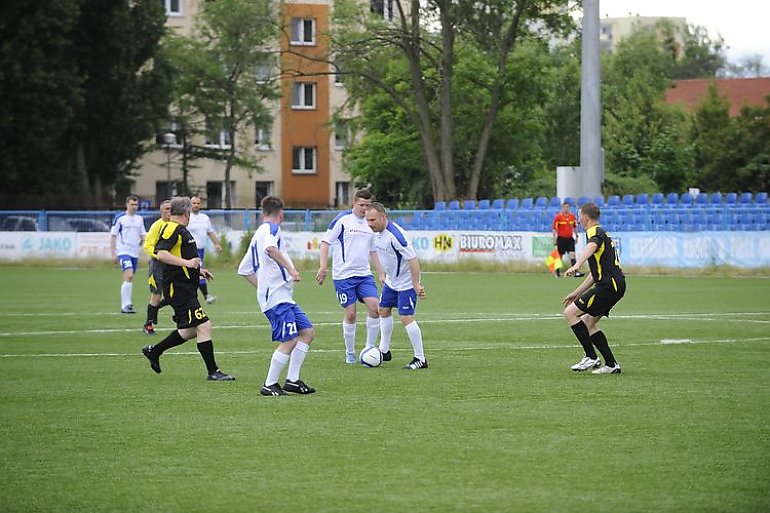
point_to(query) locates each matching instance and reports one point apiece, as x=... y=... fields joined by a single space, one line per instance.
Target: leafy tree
x=711 y=124
x=218 y=79
x=698 y=55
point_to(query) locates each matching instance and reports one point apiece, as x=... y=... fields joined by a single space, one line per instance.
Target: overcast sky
x=744 y=24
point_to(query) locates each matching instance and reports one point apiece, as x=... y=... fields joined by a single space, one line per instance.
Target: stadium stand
x=701 y=200
x=484 y=204
x=627 y=200
x=613 y=201
x=439 y=205
x=657 y=200
x=527 y=203
x=715 y=199
x=731 y=198
x=555 y=202
x=469 y=204
x=686 y=200
x=582 y=200
x=512 y=204
x=541 y=202
x=642 y=200
x=498 y=204
x=672 y=199
x=454 y=205
x=760 y=198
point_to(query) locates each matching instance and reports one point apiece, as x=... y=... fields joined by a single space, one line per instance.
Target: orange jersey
x=565 y=225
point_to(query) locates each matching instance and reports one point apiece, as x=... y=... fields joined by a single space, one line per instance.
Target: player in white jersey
x=401 y=284
x=350 y=239
x=126 y=237
x=270 y=270
x=201 y=228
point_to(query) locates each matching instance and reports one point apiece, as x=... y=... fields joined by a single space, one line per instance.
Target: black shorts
x=188 y=313
x=155 y=277
x=599 y=299
x=565 y=245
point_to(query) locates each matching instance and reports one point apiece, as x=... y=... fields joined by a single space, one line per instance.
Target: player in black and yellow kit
x=593 y=299
x=177 y=251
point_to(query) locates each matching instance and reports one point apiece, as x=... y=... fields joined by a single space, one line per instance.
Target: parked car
x=88 y=225
x=19 y=224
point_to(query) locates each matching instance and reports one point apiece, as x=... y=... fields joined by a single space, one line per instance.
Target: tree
x=425 y=35
x=219 y=90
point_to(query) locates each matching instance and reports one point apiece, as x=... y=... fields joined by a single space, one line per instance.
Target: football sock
x=277 y=363
x=349 y=334
x=581 y=332
x=600 y=341
x=206 y=349
x=415 y=337
x=173 y=340
x=204 y=288
x=372 y=330
x=125 y=293
x=295 y=362
x=573 y=261
x=152 y=314
x=386 y=331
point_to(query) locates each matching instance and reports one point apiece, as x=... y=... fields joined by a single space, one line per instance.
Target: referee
x=564 y=235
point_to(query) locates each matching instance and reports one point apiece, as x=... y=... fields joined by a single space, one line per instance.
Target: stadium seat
x=701 y=200
x=582 y=200
x=657 y=199
x=555 y=202
x=642 y=200
x=469 y=204
x=484 y=204
x=541 y=202
x=512 y=204
x=715 y=199
x=672 y=199
x=454 y=205
x=439 y=205
x=527 y=203
x=760 y=198
x=731 y=198
x=686 y=200
x=627 y=200
x=498 y=204
x=613 y=201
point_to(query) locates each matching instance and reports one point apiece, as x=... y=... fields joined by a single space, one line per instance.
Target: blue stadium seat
x=512 y=204
x=527 y=203
x=541 y=202
x=642 y=200
x=469 y=204
x=627 y=200
x=715 y=198
x=731 y=198
x=760 y=198
x=701 y=200
x=499 y=204
x=613 y=201
x=582 y=200
x=672 y=199
x=686 y=200
x=570 y=201
x=454 y=205
x=555 y=202
x=439 y=205
x=657 y=199
x=484 y=204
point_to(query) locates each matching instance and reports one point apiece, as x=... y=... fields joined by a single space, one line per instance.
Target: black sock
x=573 y=261
x=152 y=314
x=581 y=332
x=204 y=288
x=600 y=341
x=206 y=349
x=173 y=340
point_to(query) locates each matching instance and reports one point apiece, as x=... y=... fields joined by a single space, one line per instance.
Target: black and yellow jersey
x=604 y=263
x=178 y=281
x=153 y=234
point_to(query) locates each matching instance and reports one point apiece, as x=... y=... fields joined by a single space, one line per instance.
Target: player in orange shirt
x=564 y=234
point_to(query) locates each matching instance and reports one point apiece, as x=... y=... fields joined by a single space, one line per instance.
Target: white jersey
x=200 y=226
x=395 y=251
x=274 y=284
x=351 y=242
x=128 y=231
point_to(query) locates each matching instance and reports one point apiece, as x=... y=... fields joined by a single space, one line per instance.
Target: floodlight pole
x=591 y=158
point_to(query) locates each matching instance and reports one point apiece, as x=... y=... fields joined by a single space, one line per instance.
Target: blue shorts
x=201 y=252
x=351 y=290
x=128 y=262
x=286 y=321
x=406 y=300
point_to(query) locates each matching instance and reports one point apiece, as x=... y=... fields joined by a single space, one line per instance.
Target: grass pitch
x=497 y=423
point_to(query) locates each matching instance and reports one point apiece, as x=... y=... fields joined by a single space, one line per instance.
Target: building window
x=337 y=72
x=262 y=139
x=262 y=189
x=342 y=194
x=216 y=136
x=215 y=194
x=264 y=72
x=341 y=135
x=175 y=127
x=303 y=95
x=302 y=31
x=164 y=190
x=382 y=8
x=173 y=7
x=303 y=160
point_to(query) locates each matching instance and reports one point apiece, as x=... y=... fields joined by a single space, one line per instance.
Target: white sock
x=277 y=363
x=372 y=330
x=349 y=334
x=386 y=331
x=295 y=363
x=415 y=337
x=125 y=293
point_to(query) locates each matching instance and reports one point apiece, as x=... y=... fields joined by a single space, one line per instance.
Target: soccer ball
x=370 y=357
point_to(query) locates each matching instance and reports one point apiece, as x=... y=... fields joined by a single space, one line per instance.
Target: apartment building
x=300 y=152
x=614 y=30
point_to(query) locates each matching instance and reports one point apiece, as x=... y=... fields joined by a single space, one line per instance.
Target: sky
x=744 y=24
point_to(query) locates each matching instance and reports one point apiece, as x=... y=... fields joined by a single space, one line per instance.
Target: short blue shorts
x=351 y=290
x=406 y=300
x=128 y=262
x=286 y=321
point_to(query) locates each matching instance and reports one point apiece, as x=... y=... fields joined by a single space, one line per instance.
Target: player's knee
x=307 y=335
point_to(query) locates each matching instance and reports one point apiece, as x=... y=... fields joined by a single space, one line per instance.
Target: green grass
x=497 y=423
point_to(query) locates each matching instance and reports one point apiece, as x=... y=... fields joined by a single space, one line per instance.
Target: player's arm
x=152 y=237
x=275 y=253
x=214 y=238
x=589 y=250
x=572 y=296
x=378 y=268
x=113 y=243
x=167 y=258
x=323 y=262
x=248 y=266
x=251 y=278
x=554 y=233
x=414 y=270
